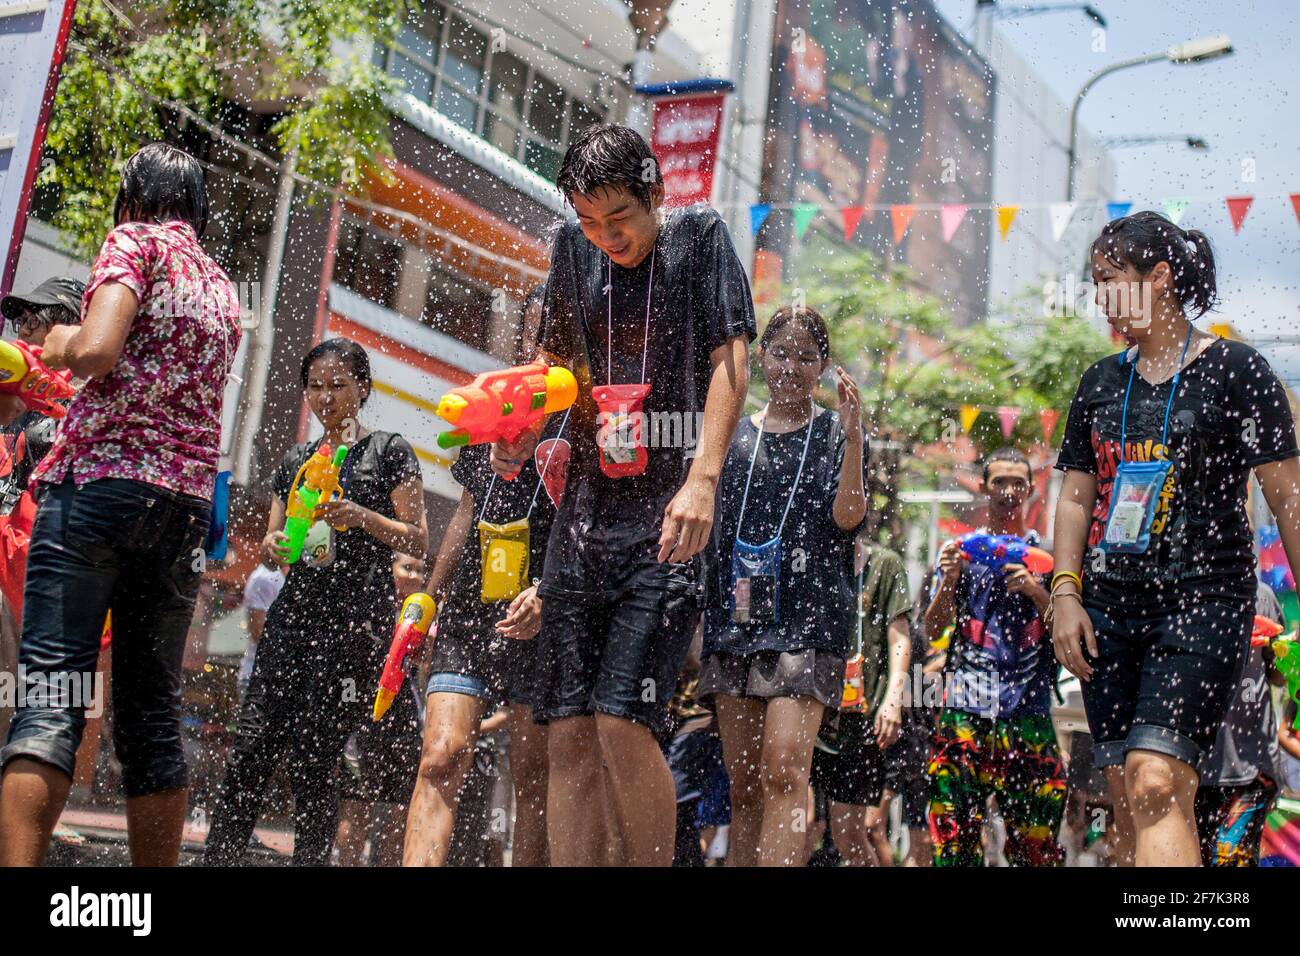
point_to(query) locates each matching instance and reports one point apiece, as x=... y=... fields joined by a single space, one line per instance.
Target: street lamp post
x=1193 y=51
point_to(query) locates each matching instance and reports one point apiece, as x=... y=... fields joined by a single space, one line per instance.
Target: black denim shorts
x=617 y=652
x=1163 y=679
x=134 y=549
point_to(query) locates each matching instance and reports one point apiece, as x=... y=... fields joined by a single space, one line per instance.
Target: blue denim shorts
x=449 y=683
x=134 y=549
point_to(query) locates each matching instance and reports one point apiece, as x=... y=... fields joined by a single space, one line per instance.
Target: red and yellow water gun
x=22 y=373
x=412 y=627
x=502 y=405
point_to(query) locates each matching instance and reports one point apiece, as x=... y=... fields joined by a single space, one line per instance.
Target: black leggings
x=307 y=694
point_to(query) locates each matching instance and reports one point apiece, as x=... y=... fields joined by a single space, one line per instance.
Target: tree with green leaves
x=141 y=72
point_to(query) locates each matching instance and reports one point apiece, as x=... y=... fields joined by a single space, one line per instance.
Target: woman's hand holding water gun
x=342 y=513
x=275 y=546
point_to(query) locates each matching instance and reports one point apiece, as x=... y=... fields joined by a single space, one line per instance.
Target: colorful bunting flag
x=1174 y=209
x=758 y=214
x=968 y=415
x=1048 y=418
x=852 y=216
x=1007 y=417
x=1295 y=204
x=1060 y=213
x=1117 y=210
x=1006 y=214
x=803 y=214
x=901 y=216
x=951 y=216
x=1238 y=206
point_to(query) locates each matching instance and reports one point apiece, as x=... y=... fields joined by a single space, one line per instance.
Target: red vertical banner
x=684 y=138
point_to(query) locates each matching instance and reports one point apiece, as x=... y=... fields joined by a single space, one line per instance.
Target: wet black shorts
x=617 y=651
x=1163 y=681
x=501 y=668
x=856 y=774
x=382 y=758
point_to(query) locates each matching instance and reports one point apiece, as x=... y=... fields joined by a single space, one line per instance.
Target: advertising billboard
x=876 y=103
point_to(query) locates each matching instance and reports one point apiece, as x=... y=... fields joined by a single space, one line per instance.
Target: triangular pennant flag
x=1295 y=204
x=1060 y=213
x=1007 y=417
x=1238 y=206
x=968 y=415
x=1117 y=210
x=758 y=214
x=901 y=215
x=852 y=216
x=803 y=215
x=951 y=216
x=1048 y=418
x=1006 y=215
x=1174 y=209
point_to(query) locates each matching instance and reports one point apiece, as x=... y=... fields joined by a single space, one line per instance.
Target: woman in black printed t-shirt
x=1153 y=595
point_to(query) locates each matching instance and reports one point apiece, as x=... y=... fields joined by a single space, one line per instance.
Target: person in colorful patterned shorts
x=994 y=735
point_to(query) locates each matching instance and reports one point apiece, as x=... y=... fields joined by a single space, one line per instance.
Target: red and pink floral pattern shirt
x=156 y=417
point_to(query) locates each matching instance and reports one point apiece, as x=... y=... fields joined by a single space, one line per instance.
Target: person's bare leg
x=615 y=855
x=31 y=798
x=350 y=841
x=575 y=818
x=740 y=724
x=1124 y=838
x=849 y=831
x=643 y=798
x=451 y=725
x=528 y=765
x=789 y=732
x=877 y=832
x=154 y=826
x=1162 y=796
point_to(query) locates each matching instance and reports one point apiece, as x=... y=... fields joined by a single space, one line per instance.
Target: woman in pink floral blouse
x=125 y=497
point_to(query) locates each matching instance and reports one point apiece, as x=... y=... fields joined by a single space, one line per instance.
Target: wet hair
x=809 y=320
x=161 y=183
x=349 y=353
x=1008 y=454
x=1145 y=239
x=609 y=156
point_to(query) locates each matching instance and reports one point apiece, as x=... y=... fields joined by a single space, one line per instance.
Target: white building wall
x=1032 y=135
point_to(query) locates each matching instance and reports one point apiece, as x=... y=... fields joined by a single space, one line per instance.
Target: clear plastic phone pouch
x=504 y=552
x=1133 y=499
x=755 y=582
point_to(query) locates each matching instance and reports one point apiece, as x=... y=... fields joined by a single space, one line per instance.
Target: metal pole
x=1072 y=154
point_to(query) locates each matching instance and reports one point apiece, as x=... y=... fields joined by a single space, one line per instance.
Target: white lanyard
x=609 y=298
x=540 y=478
x=758 y=440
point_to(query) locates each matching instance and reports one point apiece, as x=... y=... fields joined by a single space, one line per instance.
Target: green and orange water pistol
x=317 y=482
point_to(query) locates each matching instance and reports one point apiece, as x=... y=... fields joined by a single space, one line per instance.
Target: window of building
x=368 y=262
x=447 y=62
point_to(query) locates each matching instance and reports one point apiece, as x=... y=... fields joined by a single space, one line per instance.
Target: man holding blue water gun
x=995 y=736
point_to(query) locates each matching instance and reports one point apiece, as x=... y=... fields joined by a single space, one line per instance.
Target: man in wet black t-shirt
x=633 y=298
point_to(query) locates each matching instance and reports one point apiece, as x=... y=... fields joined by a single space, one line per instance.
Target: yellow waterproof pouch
x=503 y=549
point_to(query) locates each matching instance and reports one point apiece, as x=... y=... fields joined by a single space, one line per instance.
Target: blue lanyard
x=1173 y=388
